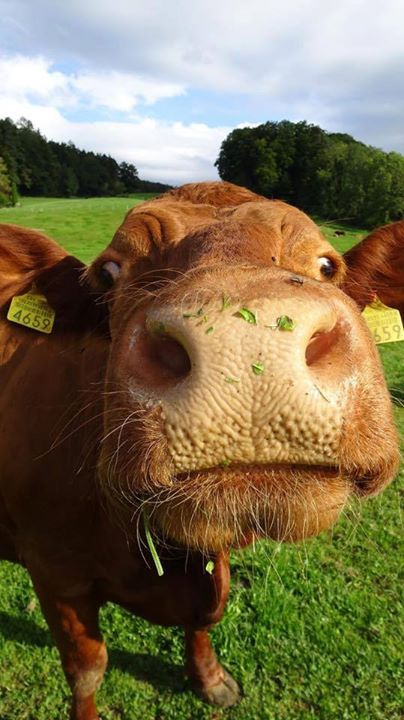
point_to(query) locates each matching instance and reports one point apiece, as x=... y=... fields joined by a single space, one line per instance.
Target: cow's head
x=244 y=395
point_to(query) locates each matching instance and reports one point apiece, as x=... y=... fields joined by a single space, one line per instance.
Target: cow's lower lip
x=246 y=470
x=218 y=508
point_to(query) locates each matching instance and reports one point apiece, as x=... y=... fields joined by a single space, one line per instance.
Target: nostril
x=170 y=355
x=321 y=346
x=156 y=359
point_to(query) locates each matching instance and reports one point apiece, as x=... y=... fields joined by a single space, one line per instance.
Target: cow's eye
x=328 y=268
x=109 y=273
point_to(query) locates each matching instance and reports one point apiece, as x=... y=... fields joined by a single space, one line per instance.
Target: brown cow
x=207 y=377
x=376 y=267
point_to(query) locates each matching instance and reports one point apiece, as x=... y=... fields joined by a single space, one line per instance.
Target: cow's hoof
x=225 y=694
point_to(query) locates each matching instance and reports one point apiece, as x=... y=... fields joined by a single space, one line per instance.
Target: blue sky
x=162 y=84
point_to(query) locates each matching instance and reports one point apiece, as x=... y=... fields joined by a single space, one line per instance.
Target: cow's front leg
x=210 y=680
x=73 y=623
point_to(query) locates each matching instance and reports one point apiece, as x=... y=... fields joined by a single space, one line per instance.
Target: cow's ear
x=358 y=282
x=67 y=289
x=32 y=262
x=375 y=267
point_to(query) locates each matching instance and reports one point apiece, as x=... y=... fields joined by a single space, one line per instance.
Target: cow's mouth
x=227 y=506
x=257 y=471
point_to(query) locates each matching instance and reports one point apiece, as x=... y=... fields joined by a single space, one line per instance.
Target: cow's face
x=244 y=396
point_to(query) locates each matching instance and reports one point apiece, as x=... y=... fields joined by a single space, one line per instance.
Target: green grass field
x=313 y=631
x=83 y=227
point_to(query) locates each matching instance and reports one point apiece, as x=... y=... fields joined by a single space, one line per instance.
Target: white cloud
x=35 y=77
x=121 y=91
x=172 y=152
x=22 y=77
x=168 y=152
x=340 y=65
x=162 y=151
x=260 y=46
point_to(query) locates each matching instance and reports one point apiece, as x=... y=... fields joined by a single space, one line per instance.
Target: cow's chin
x=226 y=508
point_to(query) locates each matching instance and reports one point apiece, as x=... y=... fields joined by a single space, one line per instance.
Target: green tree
x=6 y=190
x=128 y=176
x=395 y=201
x=70 y=183
x=37 y=166
x=42 y=177
x=329 y=174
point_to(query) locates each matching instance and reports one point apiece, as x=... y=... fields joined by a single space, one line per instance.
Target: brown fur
x=23 y=251
x=218 y=194
x=157 y=235
x=64 y=410
x=376 y=267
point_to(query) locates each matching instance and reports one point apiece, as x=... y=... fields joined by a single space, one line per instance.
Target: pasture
x=311 y=632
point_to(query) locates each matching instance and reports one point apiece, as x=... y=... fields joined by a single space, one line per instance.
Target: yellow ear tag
x=384 y=322
x=33 y=311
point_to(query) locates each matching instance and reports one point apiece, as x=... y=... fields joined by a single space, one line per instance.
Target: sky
x=161 y=84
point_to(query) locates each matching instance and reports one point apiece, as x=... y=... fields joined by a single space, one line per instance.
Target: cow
x=207 y=383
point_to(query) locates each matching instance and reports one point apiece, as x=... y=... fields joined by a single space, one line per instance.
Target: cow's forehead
x=162 y=224
x=180 y=234
x=166 y=223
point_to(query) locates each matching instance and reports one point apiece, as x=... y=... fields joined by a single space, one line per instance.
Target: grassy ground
x=343 y=242
x=311 y=631
x=82 y=226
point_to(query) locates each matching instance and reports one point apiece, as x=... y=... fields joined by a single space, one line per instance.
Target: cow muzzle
x=257 y=380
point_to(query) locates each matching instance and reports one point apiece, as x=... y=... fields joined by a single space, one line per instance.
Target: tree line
x=330 y=175
x=32 y=165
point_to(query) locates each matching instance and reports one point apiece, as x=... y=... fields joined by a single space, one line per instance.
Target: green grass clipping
x=151 y=545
